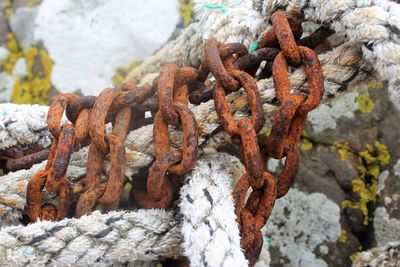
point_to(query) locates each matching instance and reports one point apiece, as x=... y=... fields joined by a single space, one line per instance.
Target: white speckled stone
x=302 y=222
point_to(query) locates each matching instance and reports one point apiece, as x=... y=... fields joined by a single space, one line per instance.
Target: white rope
x=339 y=65
x=98 y=239
x=145 y=235
x=22 y=125
x=210 y=233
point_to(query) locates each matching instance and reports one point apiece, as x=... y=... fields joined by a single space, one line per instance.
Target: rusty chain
x=233 y=68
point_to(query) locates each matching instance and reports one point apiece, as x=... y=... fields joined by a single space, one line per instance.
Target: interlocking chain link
x=168 y=101
x=172 y=93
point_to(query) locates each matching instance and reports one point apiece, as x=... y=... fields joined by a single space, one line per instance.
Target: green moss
x=365 y=103
x=34 y=88
x=121 y=73
x=370 y=162
x=186 y=11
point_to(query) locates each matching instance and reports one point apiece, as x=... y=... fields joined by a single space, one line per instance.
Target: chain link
x=168 y=101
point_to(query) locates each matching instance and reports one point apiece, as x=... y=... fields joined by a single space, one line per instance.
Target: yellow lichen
x=32 y=3
x=35 y=86
x=122 y=72
x=342 y=148
x=365 y=104
x=343 y=236
x=376 y=84
x=370 y=162
x=186 y=11
x=354 y=256
x=305 y=144
x=7 y=7
x=15 y=53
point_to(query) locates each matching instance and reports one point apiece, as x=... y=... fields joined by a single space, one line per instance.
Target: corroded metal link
x=52 y=153
x=88 y=199
x=262 y=54
x=147 y=201
x=75 y=107
x=122 y=122
x=183 y=77
x=285 y=37
x=202 y=94
x=117 y=171
x=98 y=117
x=133 y=97
x=82 y=127
x=48 y=212
x=253 y=96
x=288 y=172
x=157 y=173
x=281 y=126
x=269 y=39
x=316 y=38
x=65 y=196
x=226 y=50
x=165 y=90
x=61 y=159
x=251 y=153
x=279 y=75
x=56 y=112
x=214 y=63
x=248 y=229
x=265 y=203
x=253 y=252
x=315 y=78
x=34 y=195
x=27 y=161
x=190 y=139
x=94 y=166
x=224 y=111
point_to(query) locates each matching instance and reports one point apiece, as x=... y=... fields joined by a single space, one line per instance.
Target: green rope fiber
x=223 y=8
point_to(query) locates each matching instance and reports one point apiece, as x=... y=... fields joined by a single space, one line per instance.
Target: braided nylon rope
x=101 y=239
x=210 y=233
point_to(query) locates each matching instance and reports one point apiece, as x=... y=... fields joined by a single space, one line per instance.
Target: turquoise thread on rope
x=253 y=47
x=223 y=8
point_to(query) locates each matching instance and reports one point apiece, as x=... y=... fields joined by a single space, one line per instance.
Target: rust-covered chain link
x=167 y=172
x=262 y=183
x=53 y=178
x=287 y=126
x=167 y=99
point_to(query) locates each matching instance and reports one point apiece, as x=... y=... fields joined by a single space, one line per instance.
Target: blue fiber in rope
x=223 y=8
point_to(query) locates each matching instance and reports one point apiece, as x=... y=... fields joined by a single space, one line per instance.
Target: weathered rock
x=75 y=46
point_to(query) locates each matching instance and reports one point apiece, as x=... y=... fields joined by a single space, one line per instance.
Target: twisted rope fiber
x=210 y=233
x=101 y=239
x=372 y=24
x=341 y=66
x=145 y=235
